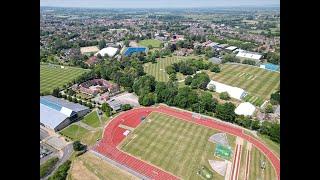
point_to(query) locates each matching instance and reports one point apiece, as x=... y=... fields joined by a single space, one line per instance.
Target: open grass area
x=258 y=82
x=53 y=76
x=92 y=119
x=256 y=172
x=74 y=132
x=152 y=42
x=275 y=147
x=174 y=145
x=158 y=69
x=90 y=167
x=91 y=137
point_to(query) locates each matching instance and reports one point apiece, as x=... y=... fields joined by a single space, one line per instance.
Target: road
x=67 y=152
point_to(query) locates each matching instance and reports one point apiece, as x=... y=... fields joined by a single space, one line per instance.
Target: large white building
x=110 y=51
x=249 y=55
x=246 y=109
x=234 y=92
x=58 y=113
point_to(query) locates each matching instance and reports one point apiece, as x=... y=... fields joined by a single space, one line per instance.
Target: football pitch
x=158 y=69
x=152 y=42
x=259 y=83
x=174 y=145
x=53 y=76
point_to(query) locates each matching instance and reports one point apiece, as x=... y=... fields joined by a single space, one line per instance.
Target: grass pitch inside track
x=259 y=83
x=158 y=69
x=54 y=76
x=255 y=167
x=174 y=145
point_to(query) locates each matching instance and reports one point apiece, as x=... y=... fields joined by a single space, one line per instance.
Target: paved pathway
x=84 y=125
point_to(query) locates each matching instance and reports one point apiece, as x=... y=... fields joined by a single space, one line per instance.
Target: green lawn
x=174 y=145
x=259 y=83
x=153 y=42
x=74 y=132
x=255 y=171
x=55 y=76
x=158 y=69
x=92 y=119
x=275 y=147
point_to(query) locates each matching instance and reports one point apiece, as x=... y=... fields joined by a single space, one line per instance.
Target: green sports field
x=158 y=69
x=54 y=76
x=255 y=171
x=259 y=83
x=92 y=119
x=74 y=132
x=153 y=42
x=174 y=145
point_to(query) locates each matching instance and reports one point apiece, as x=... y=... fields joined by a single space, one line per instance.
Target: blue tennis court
x=130 y=50
x=271 y=67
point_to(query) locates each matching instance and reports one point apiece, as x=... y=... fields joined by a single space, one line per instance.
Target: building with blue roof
x=130 y=50
x=58 y=113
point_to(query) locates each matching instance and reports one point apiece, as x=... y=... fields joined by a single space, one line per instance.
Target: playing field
x=92 y=119
x=152 y=42
x=259 y=83
x=158 y=69
x=174 y=145
x=256 y=172
x=54 y=76
x=74 y=132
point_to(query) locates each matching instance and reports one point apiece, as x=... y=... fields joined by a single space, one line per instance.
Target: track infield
x=113 y=136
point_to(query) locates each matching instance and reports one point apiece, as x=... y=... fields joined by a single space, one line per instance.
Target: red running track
x=113 y=135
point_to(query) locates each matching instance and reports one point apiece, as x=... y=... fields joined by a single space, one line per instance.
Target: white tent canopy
x=110 y=51
x=246 y=54
x=245 y=108
x=234 y=92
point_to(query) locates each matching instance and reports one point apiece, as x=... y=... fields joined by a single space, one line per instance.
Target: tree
x=170 y=69
x=248 y=61
x=269 y=108
x=56 y=92
x=207 y=102
x=77 y=146
x=275 y=98
x=224 y=96
x=186 y=97
x=70 y=98
x=106 y=108
x=226 y=111
x=200 y=80
x=147 y=99
x=215 y=68
x=188 y=80
x=144 y=84
x=126 y=107
x=126 y=43
x=102 y=44
x=255 y=125
x=173 y=77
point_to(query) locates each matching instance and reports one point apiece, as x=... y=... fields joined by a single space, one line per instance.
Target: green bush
x=61 y=172
x=48 y=166
x=224 y=96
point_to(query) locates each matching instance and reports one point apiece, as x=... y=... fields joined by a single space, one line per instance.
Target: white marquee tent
x=234 y=92
x=246 y=54
x=110 y=51
x=245 y=108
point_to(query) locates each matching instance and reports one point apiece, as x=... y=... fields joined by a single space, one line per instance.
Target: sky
x=156 y=3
